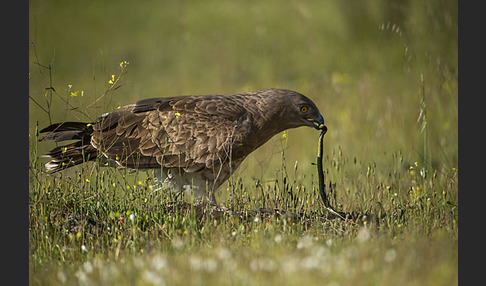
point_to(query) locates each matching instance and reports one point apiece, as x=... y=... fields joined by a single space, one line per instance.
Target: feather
x=209 y=134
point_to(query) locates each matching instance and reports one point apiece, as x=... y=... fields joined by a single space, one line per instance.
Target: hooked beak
x=318 y=123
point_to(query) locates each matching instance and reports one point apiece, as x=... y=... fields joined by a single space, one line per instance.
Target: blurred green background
x=360 y=61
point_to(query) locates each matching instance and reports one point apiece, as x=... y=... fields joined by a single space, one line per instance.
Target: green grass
x=385 y=78
x=411 y=235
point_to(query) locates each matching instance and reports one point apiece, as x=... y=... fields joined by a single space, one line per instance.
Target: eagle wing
x=189 y=132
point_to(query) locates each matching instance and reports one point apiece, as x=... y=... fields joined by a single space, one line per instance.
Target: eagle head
x=296 y=110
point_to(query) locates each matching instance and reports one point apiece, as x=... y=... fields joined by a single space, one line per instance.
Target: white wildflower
x=363 y=234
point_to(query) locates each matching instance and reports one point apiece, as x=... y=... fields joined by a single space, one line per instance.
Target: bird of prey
x=194 y=143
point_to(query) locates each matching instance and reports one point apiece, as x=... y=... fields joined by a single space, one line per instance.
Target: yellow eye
x=304 y=109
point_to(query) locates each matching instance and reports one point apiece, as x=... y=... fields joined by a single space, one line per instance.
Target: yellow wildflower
x=112 y=80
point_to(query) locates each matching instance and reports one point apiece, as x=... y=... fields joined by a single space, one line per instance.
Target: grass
x=385 y=79
x=96 y=226
x=99 y=227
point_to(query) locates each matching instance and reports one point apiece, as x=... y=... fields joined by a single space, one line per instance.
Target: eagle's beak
x=318 y=123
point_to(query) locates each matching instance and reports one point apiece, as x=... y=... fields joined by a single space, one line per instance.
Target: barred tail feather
x=67 y=131
x=71 y=154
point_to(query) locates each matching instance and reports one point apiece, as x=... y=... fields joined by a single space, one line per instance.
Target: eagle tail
x=70 y=154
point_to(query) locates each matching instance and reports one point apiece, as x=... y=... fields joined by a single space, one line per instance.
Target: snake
x=320 y=172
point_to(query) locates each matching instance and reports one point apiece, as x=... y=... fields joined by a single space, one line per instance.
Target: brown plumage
x=196 y=141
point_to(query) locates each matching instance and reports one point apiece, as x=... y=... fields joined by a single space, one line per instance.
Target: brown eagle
x=194 y=143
